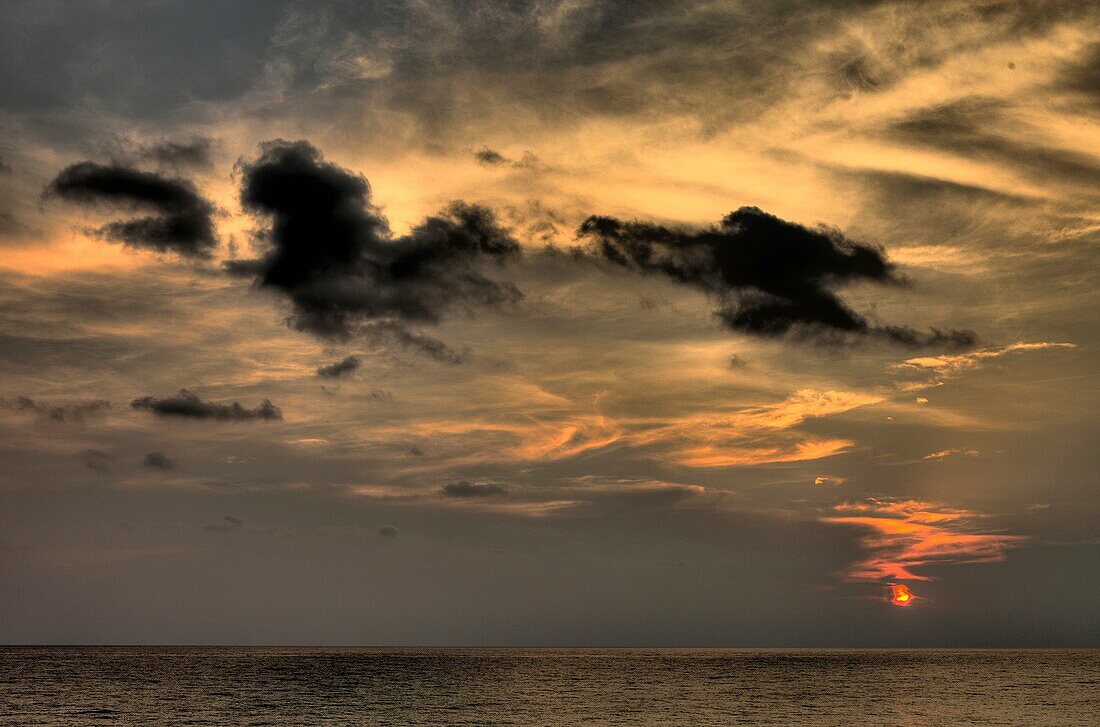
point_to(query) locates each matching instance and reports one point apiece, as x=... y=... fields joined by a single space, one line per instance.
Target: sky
x=558 y=322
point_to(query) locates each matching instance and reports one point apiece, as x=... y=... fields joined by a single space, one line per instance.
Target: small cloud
x=339 y=368
x=490 y=158
x=229 y=523
x=72 y=413
x=920 y=400
x=954 y=363
x=828 y=480
x=388 y=531
x=309 y=442
x=944 y=453
x=158 y=461
x=187 y=405
x=736 y=362
x=96 y=460
x=195 y=153
x=467 y=489
x=182 y=219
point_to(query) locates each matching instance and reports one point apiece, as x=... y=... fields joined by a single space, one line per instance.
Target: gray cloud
x=158 y=461
x=971 y=127
x=196 y=153
x=96 y=460
x=187 y=405
x=339 y=368
x=770 y=277
x=331 y=252
x=228 y=524
x=72 y=412
x=184 y=218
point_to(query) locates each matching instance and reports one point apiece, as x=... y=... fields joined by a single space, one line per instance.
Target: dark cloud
x=9 y=225
x=387 y=333
x=339 y=368
x=1082 y=77
x=5 y=168
x=96 y=460
x=196 y=153
x=228 y=524
x=770 y=277
x=979 y=128
x=331 y=251
x=74 y=412
x=490 y=158
x=183 y=222
x=467 y=489
x=388 y=531
x=736 y=362
x=187 y=405
x=158 y=461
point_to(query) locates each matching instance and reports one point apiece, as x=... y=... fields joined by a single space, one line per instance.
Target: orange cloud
x=759 y=434
x=904 y=535
x=944 y=453
x=946 y=364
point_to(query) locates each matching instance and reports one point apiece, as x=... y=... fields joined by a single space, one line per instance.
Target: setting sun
x=900 y=595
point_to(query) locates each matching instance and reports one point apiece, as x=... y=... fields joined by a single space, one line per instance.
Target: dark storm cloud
x=183 y=222
x=339 y=368
x=187 y=405
x=74 y=412
x=158 y=461
x=96 y=460
x=770 y=277
x=5 y=168
x=197 y=153
x=970 y=128
x=332 y=253
x=388 y=531
x=467 y=489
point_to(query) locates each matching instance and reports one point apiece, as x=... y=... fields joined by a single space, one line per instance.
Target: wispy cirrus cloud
x=954 y=363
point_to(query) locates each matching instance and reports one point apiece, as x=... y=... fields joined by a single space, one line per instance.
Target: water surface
x=254 y=686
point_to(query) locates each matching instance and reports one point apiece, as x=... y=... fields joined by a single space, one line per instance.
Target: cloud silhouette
x=770 y=277
x=332 y=253
x=339 y=368
x=187 y=405
x=183 y=219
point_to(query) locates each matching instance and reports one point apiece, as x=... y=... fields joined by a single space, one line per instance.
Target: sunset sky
x=559 y=322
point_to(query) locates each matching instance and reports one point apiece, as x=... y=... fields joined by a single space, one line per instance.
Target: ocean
x=310 y=686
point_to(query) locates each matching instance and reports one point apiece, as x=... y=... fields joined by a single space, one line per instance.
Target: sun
x=900 y=595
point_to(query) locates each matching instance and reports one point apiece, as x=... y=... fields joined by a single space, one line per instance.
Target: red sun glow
x=900 y=595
